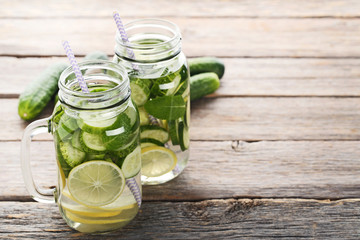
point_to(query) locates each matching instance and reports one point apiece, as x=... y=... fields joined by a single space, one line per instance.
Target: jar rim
x=84 y=65
x=97 y=99
x=149 y=21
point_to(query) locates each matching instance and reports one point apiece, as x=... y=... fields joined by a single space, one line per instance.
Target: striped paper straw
x=135 y=190
x=75 y=67
x=124 y=37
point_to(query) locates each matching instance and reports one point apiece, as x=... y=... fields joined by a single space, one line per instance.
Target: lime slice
x=96 y=183
x=132 y=163
x=157 y=161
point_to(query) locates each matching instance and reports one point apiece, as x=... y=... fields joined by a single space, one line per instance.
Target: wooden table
x=274 y=152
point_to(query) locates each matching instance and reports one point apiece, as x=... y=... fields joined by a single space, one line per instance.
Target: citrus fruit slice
x=86 y=220
x=132 y=163
x=157 y=161
x=96 y=183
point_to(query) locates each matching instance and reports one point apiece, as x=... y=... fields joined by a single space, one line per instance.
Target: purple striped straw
x=135 y=190
x=124 y=37
x=75 y=67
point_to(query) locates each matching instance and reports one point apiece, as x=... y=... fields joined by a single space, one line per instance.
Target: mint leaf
x=166 y=107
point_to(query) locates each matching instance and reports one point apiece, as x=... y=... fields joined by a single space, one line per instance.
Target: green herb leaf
x=166 y=107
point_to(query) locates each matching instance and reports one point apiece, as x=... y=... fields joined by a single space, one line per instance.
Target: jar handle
x=37 y=193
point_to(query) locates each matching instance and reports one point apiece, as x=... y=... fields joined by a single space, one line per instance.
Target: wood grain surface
x=226 y=37
x=243 y=76
x=274 y=152
x=164 y=8
x=226 y=169
x=248 y=119
x=211 y=219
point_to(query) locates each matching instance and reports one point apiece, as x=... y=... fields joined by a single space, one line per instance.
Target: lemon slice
x=157 y=161
x=132 y=163
x=96 y=183
x=86 y=220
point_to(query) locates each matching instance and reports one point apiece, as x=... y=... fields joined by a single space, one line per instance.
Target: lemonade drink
x=96 y=137
x=159 y=81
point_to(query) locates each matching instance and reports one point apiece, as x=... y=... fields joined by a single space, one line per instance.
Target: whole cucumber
x=40 y=91
x=96 y=55
x=203 y=84
x=206 y=64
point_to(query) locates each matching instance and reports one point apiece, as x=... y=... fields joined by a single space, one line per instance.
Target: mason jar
x=98 y=154
x=159 y=81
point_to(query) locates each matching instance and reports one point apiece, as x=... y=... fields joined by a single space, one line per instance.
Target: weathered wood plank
x=318 y=170
x=214 y=219
x=163 y=8
x=247 y=119
x=243 y=77
x=232 y=37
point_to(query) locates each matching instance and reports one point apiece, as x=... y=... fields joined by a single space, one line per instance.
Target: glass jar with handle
x=96 y=138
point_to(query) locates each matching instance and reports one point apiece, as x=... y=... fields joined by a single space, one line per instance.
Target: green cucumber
x=96 y=55
x=155 y=132
x=144 y=116
x=116 y=137
x=94 y=123
x=203 y=84
x=128 y=148
x=63 y=164
x=147 y=142
x=184 y=136
x=75 y=140
x=72 y=156
x=39 y=92
x=140 y=91
x=173 y=130
x=206 y=64
x=92 y=143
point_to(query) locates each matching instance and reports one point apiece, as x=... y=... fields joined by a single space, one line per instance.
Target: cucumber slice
x=132 y=163
x=72 y=156
x=65 y=167
x=148 y=142
x=91 y=157
x=184 y=136
x=140 y=91
x=144 y=116
x=171 y=86
x=119 y=135
x=128 y=148
x=131 y=114
x=63 y=134
x=75 y=140
x=92 y=123
x=187 y=114
x=154 y=132
x=173 y=130
x=68 y=123
x=92 y=143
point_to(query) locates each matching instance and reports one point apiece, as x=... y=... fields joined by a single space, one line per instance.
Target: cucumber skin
x=40 y=91
x=206 y=64
x=96 y=55
x=203 y=84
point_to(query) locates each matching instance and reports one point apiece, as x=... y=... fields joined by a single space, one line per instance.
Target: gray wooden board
x=211 y=219
x=249 y=119
x=227 y=37
x=319 y=169
x=243 y=76
x=163 y=8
